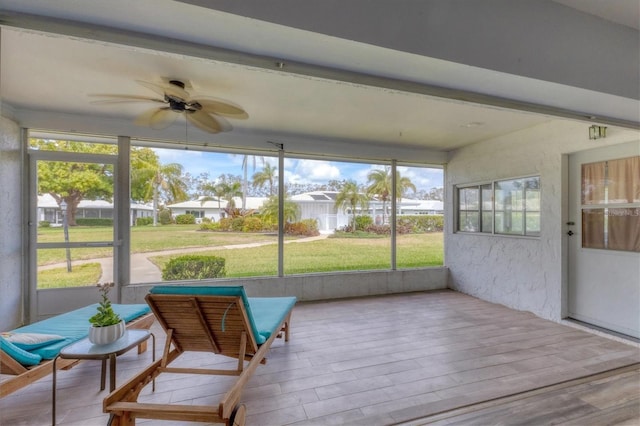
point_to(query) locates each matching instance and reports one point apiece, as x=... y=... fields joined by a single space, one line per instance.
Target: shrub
x=93 y=222
x=421 y=223
x=225 y=224
x=206 y=220
x=194 y=267
x=44 y=224
x=252 y=224
x=164 y=217
x=185 y=219
x=144 y=221
x=237 y=223
x=379 y=229
x=362 y=222
x=209 y=226
x=306 y=227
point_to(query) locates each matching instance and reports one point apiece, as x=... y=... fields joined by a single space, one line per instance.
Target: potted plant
x=106 y=325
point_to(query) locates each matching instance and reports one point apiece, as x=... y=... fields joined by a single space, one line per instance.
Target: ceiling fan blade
x=157 y=118
x=169 y=89
x=115 y=99
x=221 y=107
x=206 y=122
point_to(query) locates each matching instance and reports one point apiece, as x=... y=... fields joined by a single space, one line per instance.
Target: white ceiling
x=46 y=80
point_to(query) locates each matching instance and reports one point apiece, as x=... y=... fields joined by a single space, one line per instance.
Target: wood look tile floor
x=434 y=357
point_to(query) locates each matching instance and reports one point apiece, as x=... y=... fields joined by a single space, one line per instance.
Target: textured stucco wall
x=11 y=198
x=521 y=273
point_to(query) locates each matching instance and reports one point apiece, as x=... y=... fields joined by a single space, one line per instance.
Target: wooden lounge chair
x=220 y=320
x=71 y=327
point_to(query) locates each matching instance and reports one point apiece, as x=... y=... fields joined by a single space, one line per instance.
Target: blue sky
x=302 y=171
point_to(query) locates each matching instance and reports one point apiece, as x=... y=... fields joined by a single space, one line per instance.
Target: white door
x=604 y=238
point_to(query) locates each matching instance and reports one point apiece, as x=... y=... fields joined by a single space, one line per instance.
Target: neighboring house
x=49 y=210
x=209 y=209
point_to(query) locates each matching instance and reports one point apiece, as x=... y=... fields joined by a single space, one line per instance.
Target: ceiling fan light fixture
x=205 y=113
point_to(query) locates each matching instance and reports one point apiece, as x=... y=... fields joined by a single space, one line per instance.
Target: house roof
x=47 y=201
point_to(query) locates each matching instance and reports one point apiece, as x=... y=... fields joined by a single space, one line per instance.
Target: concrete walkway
x=144 y=271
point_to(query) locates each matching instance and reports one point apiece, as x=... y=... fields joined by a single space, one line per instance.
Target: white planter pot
x=105 y=335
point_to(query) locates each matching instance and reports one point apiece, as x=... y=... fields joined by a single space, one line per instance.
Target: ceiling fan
x=206 y=113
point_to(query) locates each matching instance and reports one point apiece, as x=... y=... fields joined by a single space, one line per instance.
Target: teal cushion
x=20 y=355
x=269 y=312
x=74 y=325
x=264 y=313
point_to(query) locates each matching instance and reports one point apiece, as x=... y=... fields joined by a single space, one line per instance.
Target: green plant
x=105 y=315
x=144 y=221
x=185 y=219
x=194 y=267
x=164 y=217
x=94 y=221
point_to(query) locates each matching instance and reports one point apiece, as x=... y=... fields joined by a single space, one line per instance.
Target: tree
x=268 y=175
x=229 y=190
x=351 y=197
x=72 y=181
x=212 y=191
x=160 y=179
x=245 y=181
x=380 y=186
x=270 y=210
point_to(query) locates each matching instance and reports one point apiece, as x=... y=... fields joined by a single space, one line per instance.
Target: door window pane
x=624 y=229
x=593 y=183
x=614 y=184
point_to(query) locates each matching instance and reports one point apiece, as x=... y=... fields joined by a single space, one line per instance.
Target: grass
x=143 y=239
x=80 y=275
x=331 y=254
x=342 y=253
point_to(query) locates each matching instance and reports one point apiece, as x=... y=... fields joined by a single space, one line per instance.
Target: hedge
x=93 y=222
x=194 y=267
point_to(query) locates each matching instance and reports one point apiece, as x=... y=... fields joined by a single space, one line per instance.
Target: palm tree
x=245 y=181
x=270 y=209
x=380 y=187
x=161 y=177
x=350 y=197
x=229 y=191
x=268 y=175
x=216 y=191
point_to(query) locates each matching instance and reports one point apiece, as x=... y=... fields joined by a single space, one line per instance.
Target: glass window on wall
x=469 y=209
x=420 y=217
x=347 y=206
x=509 y=207
x=200 y=215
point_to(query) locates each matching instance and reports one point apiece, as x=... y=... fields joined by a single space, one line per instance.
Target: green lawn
x=143 y=239
x=331 y=254
x=326 y=255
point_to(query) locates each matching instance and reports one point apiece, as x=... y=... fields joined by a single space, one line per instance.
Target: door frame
x=46 y=302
